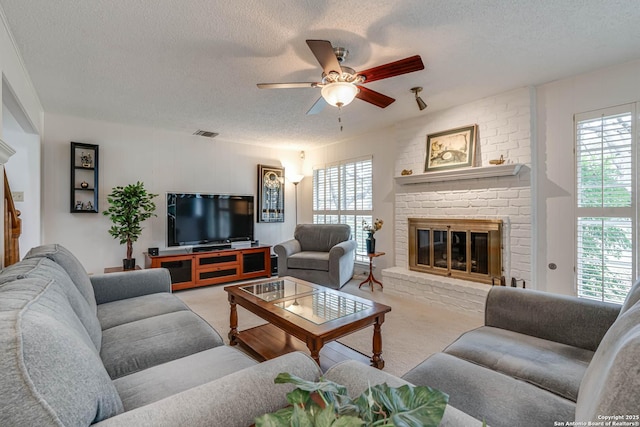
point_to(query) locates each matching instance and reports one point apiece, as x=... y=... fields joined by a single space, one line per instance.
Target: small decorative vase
x=371 y=244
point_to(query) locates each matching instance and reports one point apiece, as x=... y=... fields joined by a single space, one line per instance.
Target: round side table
x=370 y=279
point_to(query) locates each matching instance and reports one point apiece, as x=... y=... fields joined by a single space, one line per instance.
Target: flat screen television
x=197 y=218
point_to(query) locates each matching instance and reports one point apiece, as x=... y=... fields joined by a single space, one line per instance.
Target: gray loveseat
x=543 y=358
x=119 y=349
x=318 y=253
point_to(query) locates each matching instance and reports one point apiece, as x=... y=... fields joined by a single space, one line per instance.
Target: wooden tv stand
x=191 y=270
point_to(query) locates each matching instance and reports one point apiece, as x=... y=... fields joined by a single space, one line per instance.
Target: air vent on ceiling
x=206 y=133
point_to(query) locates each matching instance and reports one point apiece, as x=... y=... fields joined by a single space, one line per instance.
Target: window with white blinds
x=343 y=194
x=605 y=203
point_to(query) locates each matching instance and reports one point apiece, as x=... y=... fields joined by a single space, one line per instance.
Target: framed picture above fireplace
x=451 y=149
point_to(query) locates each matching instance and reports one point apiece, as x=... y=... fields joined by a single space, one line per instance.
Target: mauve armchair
x=319 y=253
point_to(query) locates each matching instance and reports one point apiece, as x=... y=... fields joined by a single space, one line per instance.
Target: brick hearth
x=445 y=291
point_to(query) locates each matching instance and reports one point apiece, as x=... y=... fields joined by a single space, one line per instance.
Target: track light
x=421 y=104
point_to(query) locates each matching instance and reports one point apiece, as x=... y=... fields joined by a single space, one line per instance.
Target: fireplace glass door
x=467 y=249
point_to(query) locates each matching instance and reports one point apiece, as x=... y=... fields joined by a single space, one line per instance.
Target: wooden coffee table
x=302 y=314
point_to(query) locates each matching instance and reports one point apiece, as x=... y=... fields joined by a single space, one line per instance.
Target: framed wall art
x=451 y=149
x=270 y=194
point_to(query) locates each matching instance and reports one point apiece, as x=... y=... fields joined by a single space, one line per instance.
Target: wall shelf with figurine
x=84 y=178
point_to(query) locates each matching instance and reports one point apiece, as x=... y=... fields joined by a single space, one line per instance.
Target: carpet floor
x=412 y=331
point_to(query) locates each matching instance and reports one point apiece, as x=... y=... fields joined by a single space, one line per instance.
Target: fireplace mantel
x=461 y=174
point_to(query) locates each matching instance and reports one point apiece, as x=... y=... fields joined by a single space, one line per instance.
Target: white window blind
x=343 y=194
x=605 y=211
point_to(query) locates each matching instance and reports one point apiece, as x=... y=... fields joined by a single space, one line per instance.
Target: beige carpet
x=412 y=330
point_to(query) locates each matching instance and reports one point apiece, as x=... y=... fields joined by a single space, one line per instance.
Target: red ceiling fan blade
x=286 y=85
x=373 y=97
x=323 y=51
x=392 y=69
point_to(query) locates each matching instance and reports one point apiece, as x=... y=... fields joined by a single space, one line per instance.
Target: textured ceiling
x=193 y=64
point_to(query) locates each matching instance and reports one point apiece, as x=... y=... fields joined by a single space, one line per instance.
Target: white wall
x=381 y=145
x=23 y=173
x=164 y=161
x=16 y=79
x=557 y=102
x=503 y=129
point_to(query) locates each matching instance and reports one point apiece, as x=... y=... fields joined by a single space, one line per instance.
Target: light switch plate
x=18 y=196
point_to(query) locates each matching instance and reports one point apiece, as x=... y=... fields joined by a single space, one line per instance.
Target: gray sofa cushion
x=552 y=366
x=46 y=269
x=230 y=401
x=133 y=309
x=130 y=284
x=158 y=382
x=63 y=257
x=52 y=374
x=139 y=345
x=490 y=396
x=559 y=318
x=321 y=237
x=610 y=385
x=309 y=261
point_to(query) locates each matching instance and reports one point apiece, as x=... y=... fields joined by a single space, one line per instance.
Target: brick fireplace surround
x=504 y=123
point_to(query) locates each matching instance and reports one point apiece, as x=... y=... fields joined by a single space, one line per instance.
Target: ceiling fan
x=340 y=84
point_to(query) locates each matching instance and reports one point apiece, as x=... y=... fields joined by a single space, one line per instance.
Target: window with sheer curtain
x=343 y=194
x=606 y=203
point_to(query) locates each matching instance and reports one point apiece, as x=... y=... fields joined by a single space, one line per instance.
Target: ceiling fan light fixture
x=339 y=94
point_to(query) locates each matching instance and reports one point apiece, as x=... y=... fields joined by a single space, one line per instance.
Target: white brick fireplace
x=504 y=123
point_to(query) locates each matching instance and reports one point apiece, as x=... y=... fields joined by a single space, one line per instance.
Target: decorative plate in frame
x=270 y=194
x=451 y=149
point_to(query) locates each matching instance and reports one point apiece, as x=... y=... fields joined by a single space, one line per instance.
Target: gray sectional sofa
x=120 y=349
x=543 y=358
x=318 y=253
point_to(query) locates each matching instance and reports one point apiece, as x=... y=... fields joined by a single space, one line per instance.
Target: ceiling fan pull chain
x=339 y=116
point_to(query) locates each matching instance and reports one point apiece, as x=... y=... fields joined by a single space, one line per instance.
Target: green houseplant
x=129 y=206
x=327 y=404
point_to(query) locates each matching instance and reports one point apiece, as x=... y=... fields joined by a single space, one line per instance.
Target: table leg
x=233 y=321
x=370 y=276
x=378 y=282
x=314 y=347
x=370 y=279
x=376 y=359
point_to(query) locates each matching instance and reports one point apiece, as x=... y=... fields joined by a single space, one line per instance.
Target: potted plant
x=129 y=206
x=325 y=403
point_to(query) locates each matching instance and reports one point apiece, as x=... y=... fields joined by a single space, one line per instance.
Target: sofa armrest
x=233 y=400
x=565 y=319
x=342 y=249
x=130 y=284
x=284 y=250
x=288 y=248
x=357 y=377
x=341 y=262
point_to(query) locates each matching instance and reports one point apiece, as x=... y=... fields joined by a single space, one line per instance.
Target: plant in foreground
x=327 y=404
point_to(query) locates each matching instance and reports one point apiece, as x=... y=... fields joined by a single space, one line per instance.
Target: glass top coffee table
x=300 y=314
